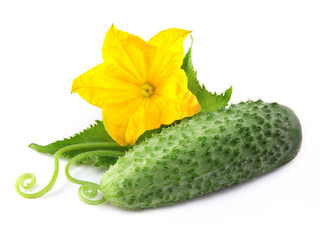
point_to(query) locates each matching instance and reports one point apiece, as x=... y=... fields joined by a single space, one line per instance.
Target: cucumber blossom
x=204 y=153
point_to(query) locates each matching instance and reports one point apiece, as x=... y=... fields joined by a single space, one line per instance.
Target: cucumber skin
x=204 y=153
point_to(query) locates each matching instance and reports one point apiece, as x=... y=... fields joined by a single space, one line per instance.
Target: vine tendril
x=89 y=190
x=28 y=180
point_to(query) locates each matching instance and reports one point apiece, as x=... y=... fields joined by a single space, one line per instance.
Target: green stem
x=28 y=180
x=89 y=190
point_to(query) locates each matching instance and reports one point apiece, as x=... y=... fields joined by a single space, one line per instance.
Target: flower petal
x=175 y=99
x=129 y=52
x=102 y=85
x=147 y=117
x=127 y=121
x=170 y=51
x=116 y=117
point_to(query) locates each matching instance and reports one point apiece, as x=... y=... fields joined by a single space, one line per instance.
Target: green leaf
x=94 y=133
x=97 y=160
x=208 y=101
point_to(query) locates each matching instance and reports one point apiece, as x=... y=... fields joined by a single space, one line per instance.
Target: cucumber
x=202 y=154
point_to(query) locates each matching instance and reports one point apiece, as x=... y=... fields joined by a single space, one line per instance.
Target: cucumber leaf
x=94 y=133
x=208 y=101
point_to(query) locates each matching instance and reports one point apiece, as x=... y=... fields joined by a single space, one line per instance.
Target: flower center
x=146 y=90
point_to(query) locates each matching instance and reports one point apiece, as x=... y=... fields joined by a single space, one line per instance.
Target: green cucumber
x=204 y=153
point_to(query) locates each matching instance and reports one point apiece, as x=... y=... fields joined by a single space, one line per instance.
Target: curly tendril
x=27 y=180
x=89 y=190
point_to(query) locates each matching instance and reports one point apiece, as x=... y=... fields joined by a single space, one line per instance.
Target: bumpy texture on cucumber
x=207 y=152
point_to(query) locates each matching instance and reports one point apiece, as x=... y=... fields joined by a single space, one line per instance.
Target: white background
x=264 y=49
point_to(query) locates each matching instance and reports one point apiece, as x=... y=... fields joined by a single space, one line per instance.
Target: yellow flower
x=140 y=85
